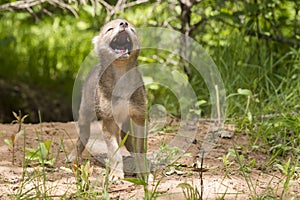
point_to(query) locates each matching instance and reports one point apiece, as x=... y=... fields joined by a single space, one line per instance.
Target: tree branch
x=20 y=5
x=274 y=38
x=28 y=4
x=264 y=36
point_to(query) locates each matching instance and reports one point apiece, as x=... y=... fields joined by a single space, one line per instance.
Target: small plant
x=36 y=179
x=289 y=171
x=82 y=174
x=40 y=154
x=227 y=163
x=166 y=154
x=198 y=111
x=245 y=169
x=247 y=121
x=149 y=194
x=11 y=143
x=190 y=192
x=106 y=184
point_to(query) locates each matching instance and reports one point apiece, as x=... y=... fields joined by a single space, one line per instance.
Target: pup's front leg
x=84 y=135
x=136 y=144
x=112 y=139
x=140 y=148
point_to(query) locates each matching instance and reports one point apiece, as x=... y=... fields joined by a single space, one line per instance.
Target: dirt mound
x=59 y=181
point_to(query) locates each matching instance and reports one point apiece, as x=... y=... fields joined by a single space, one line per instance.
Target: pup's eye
x=109 y=29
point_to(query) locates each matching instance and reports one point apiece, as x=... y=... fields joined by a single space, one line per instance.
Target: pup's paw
x=71 y=157
x=116 y=177
x=150 y=179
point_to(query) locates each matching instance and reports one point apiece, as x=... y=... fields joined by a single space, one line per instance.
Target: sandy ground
x=217 y=181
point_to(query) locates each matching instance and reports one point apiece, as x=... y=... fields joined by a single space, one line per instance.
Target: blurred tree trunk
x=185 y=18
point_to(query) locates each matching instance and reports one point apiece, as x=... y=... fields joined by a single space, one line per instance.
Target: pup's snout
x=124 y=24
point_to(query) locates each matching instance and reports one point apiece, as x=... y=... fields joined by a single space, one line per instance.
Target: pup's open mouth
x=121 y=44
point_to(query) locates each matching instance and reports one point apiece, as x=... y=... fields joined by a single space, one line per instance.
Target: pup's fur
x=114 y=92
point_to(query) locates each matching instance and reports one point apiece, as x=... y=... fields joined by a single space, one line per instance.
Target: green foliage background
x=255 y=45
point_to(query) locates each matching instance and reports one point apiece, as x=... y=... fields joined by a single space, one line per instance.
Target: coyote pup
x=114 y=92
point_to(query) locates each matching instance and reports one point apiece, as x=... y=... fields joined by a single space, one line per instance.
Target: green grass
x=48 y=53
x=40 y=60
